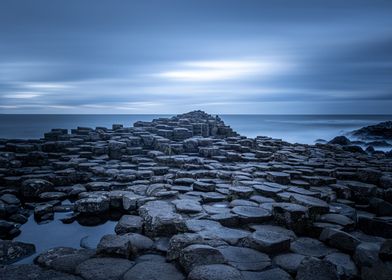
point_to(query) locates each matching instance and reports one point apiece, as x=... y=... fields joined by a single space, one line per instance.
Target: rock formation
x=198 y=201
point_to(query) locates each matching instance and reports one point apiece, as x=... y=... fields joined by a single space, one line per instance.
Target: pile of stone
x=197 y=201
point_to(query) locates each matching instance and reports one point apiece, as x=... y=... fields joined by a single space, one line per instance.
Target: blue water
x=292 y=128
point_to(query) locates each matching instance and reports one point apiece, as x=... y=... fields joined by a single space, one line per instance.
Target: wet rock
x=127 y=245
x=160 y=219
x=203 y=186
x=250 y=214
x=129 y=223
x=315 y=206
x=245 y=258
x=92 y=205
x=345 y=266
x=33 y=272
x=292 y=216
x=214 y=272
x=213 y=230
x=339 y=239
x=103 y=268
x=312 y=268
x=289 y=262
x=366 y=254
x=240 y=192
x=278 y=177
x=187 y=206
x=197 y=254
x=12 y=251
x=63 y=259
x=310 y=247
x=270 y=274
x=32 y=188
x=267 y=241
x=154 y=270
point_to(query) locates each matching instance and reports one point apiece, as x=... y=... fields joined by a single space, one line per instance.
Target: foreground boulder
x=160 y=219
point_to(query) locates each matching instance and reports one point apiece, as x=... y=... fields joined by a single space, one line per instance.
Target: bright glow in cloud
x=215 y=70
x=49 y=86
x=22 y=95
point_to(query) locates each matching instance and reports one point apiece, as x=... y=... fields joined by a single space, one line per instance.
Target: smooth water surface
x=55 y=234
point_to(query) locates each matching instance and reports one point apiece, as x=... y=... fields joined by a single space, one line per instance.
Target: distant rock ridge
x=382 y=130
x=183 y=126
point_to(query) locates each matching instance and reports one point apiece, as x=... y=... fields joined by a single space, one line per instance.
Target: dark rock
x=32 y=188
x=270 y=274
x=160 y=219
x=103 y=268
x=386 y=250
x=153 y=270
x=267 y=241
x=289 y=262
x=128 y=245
x=12 y=251
x=129 y=223
x=312 y=268
x=245 y=258
x=63 y=259
x=214 y=272
x=197 y=254
x=340 y=140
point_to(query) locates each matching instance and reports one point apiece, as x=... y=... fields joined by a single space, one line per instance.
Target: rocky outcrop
x=195 y=200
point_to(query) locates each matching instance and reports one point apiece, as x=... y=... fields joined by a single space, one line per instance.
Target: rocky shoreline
x=195 y=200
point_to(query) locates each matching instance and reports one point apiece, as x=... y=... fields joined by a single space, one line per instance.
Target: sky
x=173 y=56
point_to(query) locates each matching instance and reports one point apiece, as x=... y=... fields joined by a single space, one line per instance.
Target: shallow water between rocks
x=55 y=234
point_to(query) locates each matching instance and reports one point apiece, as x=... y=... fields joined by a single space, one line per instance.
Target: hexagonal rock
x=312 y=268
x=208 y=229
x=270 y=274
x=64 y=259
x=12 y=251
x=32 y=188
x=338 y=219
x=198 y=254
x=92 y=205
x=250 y=214
x=292 y=216
x=310 y=247
x=315 y=205
x=203 y=186
x=214 y=272
x=289 y=261
x=187 y=205
x=129 y=223
x=278 y=177
x=240 y=192
x=32 y=272
x=344 y=265
x=130 y=201
x=103 y=268
x=340 y=240
x=245 y=258
x=160 y=219
x=98 y=186
x=266 y=241
x=127 y=245
x=153 y=270
x=179 y=242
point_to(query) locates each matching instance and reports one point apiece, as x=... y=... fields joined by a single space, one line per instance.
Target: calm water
x=291 y=128
x=55 y=233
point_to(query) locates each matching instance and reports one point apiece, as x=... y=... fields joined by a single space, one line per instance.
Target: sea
x=291 y=128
